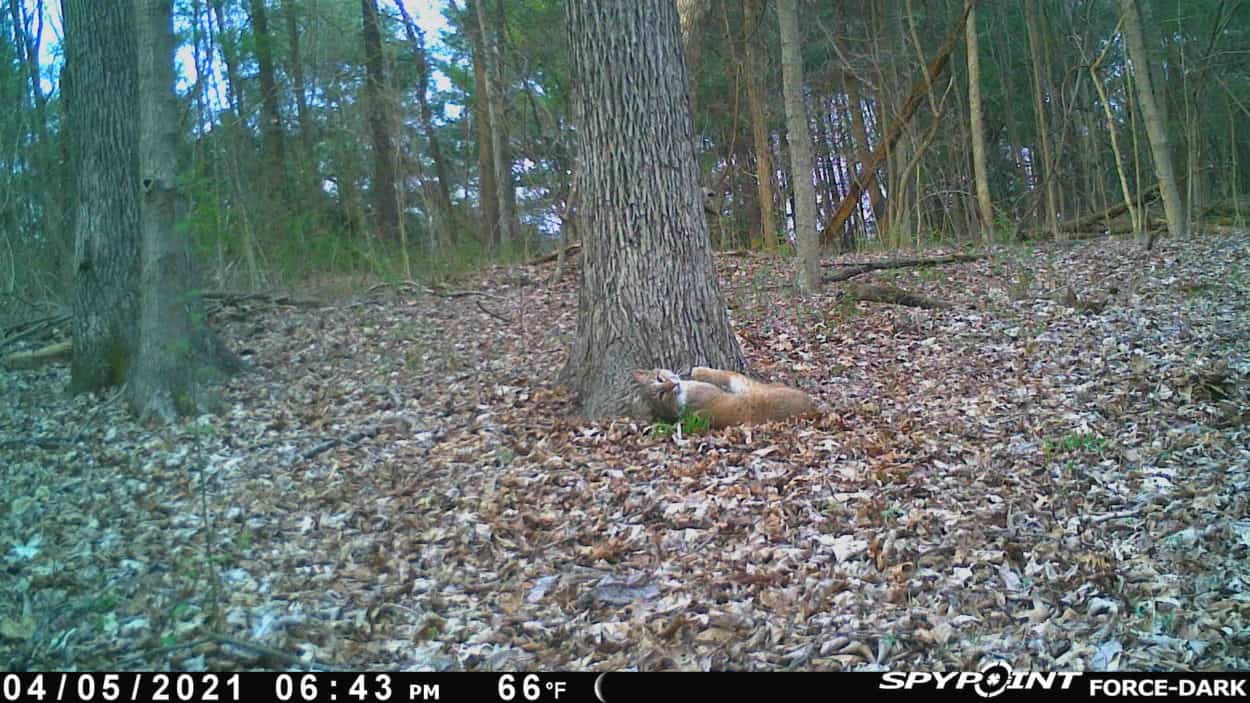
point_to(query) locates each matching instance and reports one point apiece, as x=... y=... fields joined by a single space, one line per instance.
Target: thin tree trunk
x=488 y=189
x=100 y=54
x=800 y=141
x=272 y=148
x=759 y=124
x=1125 y=191
x=1156 y=129
x=310 y=168
x=1043 y=165
x=446 y=214
x=230 y=56
x=985 y=206
x=501 y=160
x=649 y=293
x=385 y=203
x=165 y=381
x=690 y=14
x=863 y=146
x=918 y=92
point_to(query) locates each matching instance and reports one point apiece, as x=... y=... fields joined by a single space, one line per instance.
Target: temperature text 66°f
x=531 y=688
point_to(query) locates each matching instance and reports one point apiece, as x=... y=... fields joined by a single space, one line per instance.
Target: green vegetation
x=690 y=423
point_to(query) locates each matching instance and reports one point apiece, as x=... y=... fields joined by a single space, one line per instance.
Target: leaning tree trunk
x=800 y=141
x=100 y=53
x=1156 y=129
x=649 y=293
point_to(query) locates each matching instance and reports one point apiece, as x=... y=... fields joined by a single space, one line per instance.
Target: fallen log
x=894 y=296
x=859 y=269
x=38 y=357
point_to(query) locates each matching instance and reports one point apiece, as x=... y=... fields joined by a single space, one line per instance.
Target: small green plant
x=1077 y=442
x=690 y=422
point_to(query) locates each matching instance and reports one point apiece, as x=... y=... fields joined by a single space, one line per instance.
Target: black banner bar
x=997 y=681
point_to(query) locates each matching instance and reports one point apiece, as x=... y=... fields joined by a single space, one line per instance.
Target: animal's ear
x=644 y=377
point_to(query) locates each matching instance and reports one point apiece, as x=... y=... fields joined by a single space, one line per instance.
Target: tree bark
x=385 y=203
x=985 y=206
x=649 y=293
x=1156 y=129
x=101 y=55
x=799 y=140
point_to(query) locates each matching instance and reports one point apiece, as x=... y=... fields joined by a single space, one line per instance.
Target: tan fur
x=726 y=397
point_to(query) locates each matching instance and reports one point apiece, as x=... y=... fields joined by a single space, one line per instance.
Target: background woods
x=317 y=137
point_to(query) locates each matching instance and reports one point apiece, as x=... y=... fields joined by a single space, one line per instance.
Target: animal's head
x=658 y=387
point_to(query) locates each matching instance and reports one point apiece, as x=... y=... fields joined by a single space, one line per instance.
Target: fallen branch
x=38 y=357
x=552 y=256
x=229 y=298
x=329 y=444
x=894 y=296
x=30 y=328
x=462 y=294
x=492 y=313
x=860 y=269
x=1083 y=222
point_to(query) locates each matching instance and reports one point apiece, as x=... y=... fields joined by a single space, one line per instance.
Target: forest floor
x=400 y=483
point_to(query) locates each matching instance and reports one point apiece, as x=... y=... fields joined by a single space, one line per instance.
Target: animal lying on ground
x=724 y=397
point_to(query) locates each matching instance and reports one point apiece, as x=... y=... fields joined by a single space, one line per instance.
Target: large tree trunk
x=751 y=10
x=175 y=349
x=1156 y=129
x=985 y=206
x=800 y=142
x=385 y=203
x=649 y=294
x=488 y=189
x=100 y=53
x=500 y=156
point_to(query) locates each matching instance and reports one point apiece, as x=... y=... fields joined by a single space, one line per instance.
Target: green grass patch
x=690 y=423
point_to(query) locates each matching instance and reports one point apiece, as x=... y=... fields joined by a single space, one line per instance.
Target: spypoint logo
x=989 y=682
x=994 y=679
